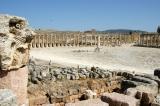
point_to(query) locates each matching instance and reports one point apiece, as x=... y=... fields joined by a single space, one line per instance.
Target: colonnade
x=57 y=39
x=149 y=40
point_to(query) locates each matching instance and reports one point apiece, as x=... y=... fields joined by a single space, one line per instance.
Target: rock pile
x=38 y=73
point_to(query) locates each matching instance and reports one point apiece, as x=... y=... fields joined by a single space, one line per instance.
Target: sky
x=81 y=15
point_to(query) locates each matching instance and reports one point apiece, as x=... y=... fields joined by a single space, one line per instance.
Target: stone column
x=85 y=40
x=119 y=37
x=95 y=40
x=74 y=39
x=141 y=40
x=157 y=40
x=147 y=40
x=81 y=39
x=107 y=40
x=78 y=39
x=103 y=42
x=91 y=40
x=42 y=41
x=58 y=39
x=34 y=42
x=51 y=40
x=70 y=39
x=38 y=41
x=154 y=40
x=151 y=38
x=99 y=42
x=66 y=40
x=13 y=69
x=47 y=40
x=55 y=39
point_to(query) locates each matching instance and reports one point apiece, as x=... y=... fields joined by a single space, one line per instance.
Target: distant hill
x=121 y=31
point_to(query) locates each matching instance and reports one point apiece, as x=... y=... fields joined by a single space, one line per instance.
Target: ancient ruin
x=26 y=80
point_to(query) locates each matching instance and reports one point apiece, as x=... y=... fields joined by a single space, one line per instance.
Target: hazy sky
x=86 y=14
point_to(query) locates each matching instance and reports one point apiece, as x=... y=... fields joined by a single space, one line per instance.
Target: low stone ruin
x=61 y=85
x=15 y=39
x=66 y=86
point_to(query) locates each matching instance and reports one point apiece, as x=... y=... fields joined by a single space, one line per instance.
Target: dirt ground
x=138 y=59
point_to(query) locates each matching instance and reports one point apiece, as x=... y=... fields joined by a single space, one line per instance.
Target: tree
x=158 y=29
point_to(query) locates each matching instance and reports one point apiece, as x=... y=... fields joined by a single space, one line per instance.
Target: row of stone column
x=149 y=40
x=56 y=40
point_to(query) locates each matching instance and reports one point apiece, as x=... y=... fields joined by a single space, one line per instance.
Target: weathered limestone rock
x=14 y=42
x=7 y=98
x=90 y=102
x=116 y=99
x=88 y=94
x=15 y=39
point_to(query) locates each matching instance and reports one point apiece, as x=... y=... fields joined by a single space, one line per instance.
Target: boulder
x=116 y=99
x=82 y=76
x=88 y=94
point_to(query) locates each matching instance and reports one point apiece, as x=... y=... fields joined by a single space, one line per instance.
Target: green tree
x=158 y=29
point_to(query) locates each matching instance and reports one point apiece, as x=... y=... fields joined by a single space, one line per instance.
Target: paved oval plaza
x=129 y=58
